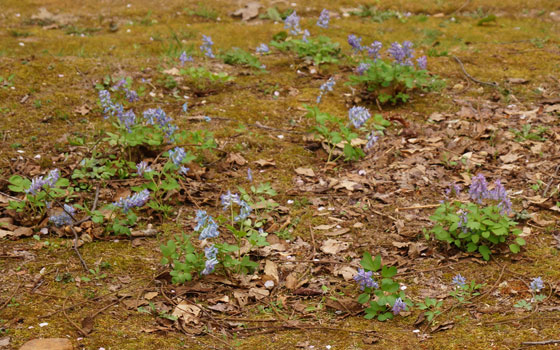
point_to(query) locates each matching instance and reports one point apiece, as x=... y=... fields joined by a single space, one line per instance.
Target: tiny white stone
x=20 y=151
x=293 y=4
x=128 y=30
x=21 y=44
x=416 y=331
x=42 y=272
x=269 y=284
x=276 y=93
x=403 y=287
x=44 y=231
x=61 y=75
x=280 y=137
x=328 y=346
x=290 y=201
x=30 y=327
x=129 y=6
x=361 y=172
x=18 y=15
x=43 y=324
x=321 y=208
x=38 y=156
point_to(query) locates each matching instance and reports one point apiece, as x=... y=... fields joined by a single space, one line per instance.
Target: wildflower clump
x=393 y=78
x=385 y=298
x=478 y=221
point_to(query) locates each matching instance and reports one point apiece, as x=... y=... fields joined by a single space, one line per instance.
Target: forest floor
x=498 y=115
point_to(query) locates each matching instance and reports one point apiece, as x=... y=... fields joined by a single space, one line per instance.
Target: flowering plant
x=391 y=80
x=478 y=224
x=386 y=298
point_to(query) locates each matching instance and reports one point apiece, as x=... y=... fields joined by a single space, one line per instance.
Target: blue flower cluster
x=131 y=95
x=399 y=306
x=355 y=42
x=185 y=58
x=292 y=23
x=157 y=117
x=365 y=280
x=206 y=46
x=263 y=48
x=206 y=225
x=327 y=86
x=177 y=155
x=211 y=260
x=135 y=200
x=38 y=182
x=323 y=20
x=358 y=116
x=537 y=284
x=362 y=68
x=479 y=191
x=110 y=109
x=403 y=54
x=372 y=139
x=229 y=199
x=63 y=218
x=374 y=49
x=459 y=281
x=142 y=168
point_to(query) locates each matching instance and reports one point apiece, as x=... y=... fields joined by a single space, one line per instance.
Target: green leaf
x=388 y=272
x=369 y=264
x=485 y=252
x=520 y=241
x=514 y=248
x=363 y=298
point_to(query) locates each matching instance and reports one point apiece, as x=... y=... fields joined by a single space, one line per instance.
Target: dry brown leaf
x=250 y=11
x=187 y=312
x=324 y=227
x=291 y=281
x=265 y=162
x=271 y=269
x=509 y=158
x=82 y=110
x=338 y=232
x=345 y=271
x=241 y=297
x=305 y=172
x=236 y=158
x=332 y=246
x=150 y=295
x=258 y=293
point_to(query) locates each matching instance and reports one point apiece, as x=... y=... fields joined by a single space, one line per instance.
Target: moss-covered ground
x=50 y=66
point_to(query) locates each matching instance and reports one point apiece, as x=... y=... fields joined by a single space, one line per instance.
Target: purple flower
x=177 y=155
x=374 y=49
x=365 y=280
x=463 y=221
x=327 y=86
x=362 y=68
x=131 y=95
x=422 y=62
x=185 y=107
x=323 y=20
x=135 y=200
x=157 y=117
x=210 y=266
x=398 y=307
x=63 y=218
x=185 y=58
x=402 y=54
x=142 y=168
x=478 y=189
x=305 y=35
x=355 y=42
x=110 y=109
x=52 y=177
x=459 y=280
x=453 y=189
x=537 y=284
x=206 y=225
x=36 y=185
x=263 y=48
x=499 y=194
x=249 y=175
x=184 y=170
x=206 y=46
x=127 y=119
x=372 y=139
x=358 y=116
x=292 y=23
x=228 y=199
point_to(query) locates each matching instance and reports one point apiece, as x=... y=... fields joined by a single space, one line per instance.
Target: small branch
x=11 y=296
x=550 y=182
x=427 y=206
x=82 y=332
x=544 y=342
x=495 y=85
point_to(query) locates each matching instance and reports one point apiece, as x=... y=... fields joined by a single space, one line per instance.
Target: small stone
x=48 y=344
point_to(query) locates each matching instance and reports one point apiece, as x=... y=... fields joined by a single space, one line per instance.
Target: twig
x=544 y=342
x=7 y=195
x=313 y=240
x=82 y=332
x=550 y=182
x=418 y=207
x=460 y=8
x=11 y=296
x=495 y=85
x=384 y=215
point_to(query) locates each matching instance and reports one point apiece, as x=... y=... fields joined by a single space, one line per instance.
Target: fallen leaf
x=265 y=162
x=346 y=272
x=48 y=344
x=291 y=281
x=338 y=232
x=271 y=269
x=172 y=71
x=87 y=325
x=509 y=158
x=82 y=110
x=4 y=342
x=250 y=11
x=258 y=293
x=305 y=172
x=332 y=246
x=150 y=295
x=236 y=158
x=517 y=80
x=187 y=312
